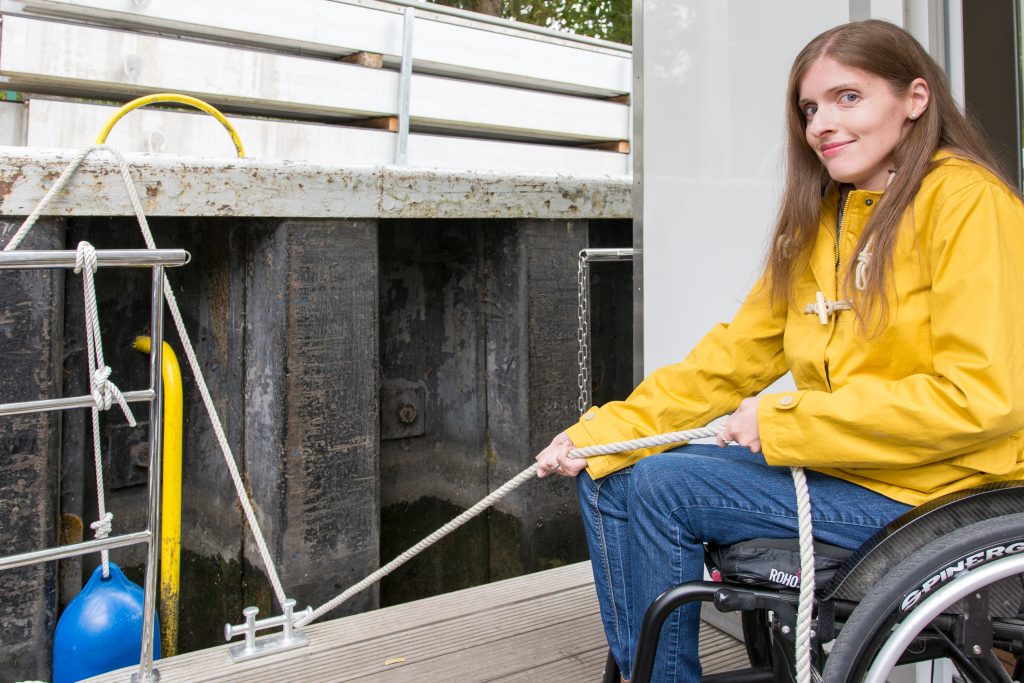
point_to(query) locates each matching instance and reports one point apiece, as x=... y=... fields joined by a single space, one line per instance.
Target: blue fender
x=101 y=630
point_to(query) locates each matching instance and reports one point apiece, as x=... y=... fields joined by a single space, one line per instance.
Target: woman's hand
x=741 y=426
x=555 y=458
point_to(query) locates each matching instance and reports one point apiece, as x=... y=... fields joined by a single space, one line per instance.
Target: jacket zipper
x=844 y=204
x=839 y=231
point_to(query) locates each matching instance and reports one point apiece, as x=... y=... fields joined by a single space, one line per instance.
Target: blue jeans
x=646 y=526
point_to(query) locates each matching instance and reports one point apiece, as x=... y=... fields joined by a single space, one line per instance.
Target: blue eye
x=809 y=110
x=849 y=97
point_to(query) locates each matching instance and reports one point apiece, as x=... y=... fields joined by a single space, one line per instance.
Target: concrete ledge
x=185 y=186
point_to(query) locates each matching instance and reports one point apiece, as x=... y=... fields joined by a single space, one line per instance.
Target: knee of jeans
x=644 y=475
x=585 y=486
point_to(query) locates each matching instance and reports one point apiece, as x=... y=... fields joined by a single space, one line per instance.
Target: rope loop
x=104 y=392
x=104 y=525
x=85 y=258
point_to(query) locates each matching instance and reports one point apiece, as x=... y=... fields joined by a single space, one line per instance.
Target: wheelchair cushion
x=773 y=562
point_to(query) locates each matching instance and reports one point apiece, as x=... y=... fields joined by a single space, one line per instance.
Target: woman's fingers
x=555 y=458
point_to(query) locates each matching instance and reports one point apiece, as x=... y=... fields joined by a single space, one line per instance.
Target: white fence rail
x=481 y=95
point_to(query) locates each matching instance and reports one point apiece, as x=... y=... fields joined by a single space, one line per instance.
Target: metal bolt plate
x=402 y=409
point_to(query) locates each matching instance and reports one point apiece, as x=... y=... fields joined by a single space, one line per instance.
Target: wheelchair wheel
x=917 y=587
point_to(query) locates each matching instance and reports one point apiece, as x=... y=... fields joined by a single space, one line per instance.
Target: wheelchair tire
x=875 y=618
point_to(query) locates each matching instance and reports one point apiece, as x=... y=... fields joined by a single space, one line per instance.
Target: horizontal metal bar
x=26 y=258
x=512 y=24
x=73 y=550
x=46 y=404
x=608 y=254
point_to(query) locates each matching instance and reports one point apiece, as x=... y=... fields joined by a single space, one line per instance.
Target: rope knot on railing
x=104 y=525
x=85 y=258
x=105 y=393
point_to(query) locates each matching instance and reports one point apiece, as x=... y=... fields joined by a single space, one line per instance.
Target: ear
x=918 y=96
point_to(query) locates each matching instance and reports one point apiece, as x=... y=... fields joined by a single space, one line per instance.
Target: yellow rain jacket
x=932 y=404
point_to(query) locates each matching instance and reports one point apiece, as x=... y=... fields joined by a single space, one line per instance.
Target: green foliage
x=607 y=19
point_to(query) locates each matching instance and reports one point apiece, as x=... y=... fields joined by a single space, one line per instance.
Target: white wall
x=714 y=79
x=710 y=125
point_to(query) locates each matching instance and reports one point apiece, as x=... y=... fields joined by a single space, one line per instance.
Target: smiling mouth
x=833 y=148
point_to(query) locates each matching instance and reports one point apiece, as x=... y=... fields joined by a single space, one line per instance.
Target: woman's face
x=855 y=120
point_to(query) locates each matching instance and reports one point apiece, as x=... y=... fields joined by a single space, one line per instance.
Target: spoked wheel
x=913 y=612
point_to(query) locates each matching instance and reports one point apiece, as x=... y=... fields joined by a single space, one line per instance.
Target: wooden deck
x=540 y=627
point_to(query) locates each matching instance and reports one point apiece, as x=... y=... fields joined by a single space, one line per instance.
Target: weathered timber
x=531 y=390
x=31 y=317
x=180 y=186
x=433 y=336
x=311 y=406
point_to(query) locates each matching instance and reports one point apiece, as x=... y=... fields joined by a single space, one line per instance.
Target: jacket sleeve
x=974 y=397
x=730 y=363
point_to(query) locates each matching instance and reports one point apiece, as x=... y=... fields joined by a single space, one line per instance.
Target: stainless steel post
x=156 y=410
x=404 y=88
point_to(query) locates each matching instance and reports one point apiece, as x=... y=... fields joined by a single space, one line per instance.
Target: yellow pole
x=170 y=528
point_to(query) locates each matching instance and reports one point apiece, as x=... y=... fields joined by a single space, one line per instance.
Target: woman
x=892 y=292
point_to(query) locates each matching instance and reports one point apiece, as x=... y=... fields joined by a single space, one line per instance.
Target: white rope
x=186 y=342
x=59 y=185
x=805 y=605
x=488 y=501
x=104 y=392
x=491 y=499
x=863 y=259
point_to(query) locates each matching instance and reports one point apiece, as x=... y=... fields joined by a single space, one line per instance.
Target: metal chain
x=583 y=332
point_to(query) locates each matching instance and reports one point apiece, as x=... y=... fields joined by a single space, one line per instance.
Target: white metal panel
x=48 y=53
x=430 y=151
x=331 y=27
x=491 y=107
x=64 y=124
x=445 y=47
x=321 y=25
x=12 y=123
x=103 y=61
x=714 y=88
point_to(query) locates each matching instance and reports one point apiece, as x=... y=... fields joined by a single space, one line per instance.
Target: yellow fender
x=170 y=528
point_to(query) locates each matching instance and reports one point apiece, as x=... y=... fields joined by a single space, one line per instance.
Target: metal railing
x=157 y=260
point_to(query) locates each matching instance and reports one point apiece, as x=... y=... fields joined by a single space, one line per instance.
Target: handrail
x=65 y=551
x=155 y=259
x=140 y=258
x=67 y=403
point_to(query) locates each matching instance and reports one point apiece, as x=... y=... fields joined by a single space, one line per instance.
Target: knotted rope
x=104 y=392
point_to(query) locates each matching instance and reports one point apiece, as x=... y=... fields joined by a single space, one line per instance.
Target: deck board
x=539 y=627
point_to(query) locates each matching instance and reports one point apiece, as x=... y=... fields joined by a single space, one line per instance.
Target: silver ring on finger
x=557 y=466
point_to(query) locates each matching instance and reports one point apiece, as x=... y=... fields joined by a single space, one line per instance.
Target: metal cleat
x=289 y=638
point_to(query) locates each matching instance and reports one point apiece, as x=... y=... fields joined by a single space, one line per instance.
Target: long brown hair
x=885 y=50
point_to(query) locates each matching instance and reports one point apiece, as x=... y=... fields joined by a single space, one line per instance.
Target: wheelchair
x=943 y=580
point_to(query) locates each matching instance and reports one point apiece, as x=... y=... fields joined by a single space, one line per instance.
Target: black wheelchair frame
x=919 y=564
